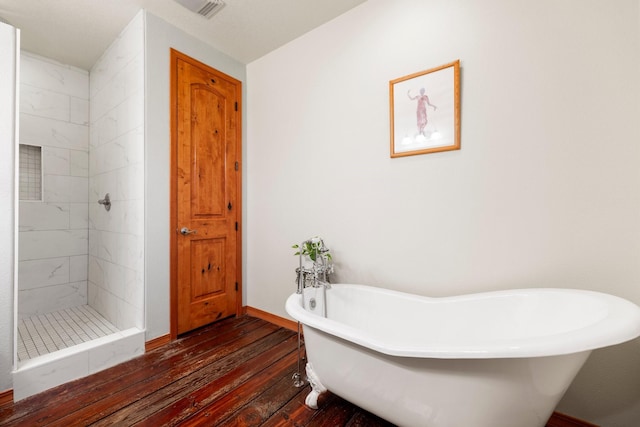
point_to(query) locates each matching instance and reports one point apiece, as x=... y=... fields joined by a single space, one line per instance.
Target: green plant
x=313 y=248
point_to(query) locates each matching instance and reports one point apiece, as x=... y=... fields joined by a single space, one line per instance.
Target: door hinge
x=236 y=286
x=236 y=105
x=237 y=166
x=236 y=225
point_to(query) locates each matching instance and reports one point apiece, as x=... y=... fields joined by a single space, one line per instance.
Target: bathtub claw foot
x=316 y=388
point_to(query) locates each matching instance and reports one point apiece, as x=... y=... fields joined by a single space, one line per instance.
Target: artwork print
x=425 y=111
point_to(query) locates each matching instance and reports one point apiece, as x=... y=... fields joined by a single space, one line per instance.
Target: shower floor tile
x=46 y=333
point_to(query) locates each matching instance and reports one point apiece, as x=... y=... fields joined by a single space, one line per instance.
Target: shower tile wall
x=116 y=166
x=53 y=234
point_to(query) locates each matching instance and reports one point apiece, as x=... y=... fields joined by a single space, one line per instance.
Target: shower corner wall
x=116 y=166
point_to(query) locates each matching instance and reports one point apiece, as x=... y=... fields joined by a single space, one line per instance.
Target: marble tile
x=51 y=298
x=55 y=161
x=109 y=98
x=111 y=284
x=127 y=83
x=43 y=272
x=108 y=247
x=122 y=250
x=53 y=133
x=78 y=216
x=96 y=276
x=65 y=189
x=115 y=278
x=131 y=251
x=43 y=72
x=125 y=150
x=126 y=314
x=134 y=71
x=123 y=346
x=79 y=111
x=134 y=296
x=93 y=291
x=104 y=130
x=101 y=184
x=103 y=302
x=130 y=117
x=39 y=376
x=134 y=221
x=130 y=182
x=78 y=268
x=124 y=217
x=100 y=219
x=52 y=243
x=94 y=241
x=125 y=48
x=43 y=103
x=43 y=216
x=109 y=156
x=78 y=163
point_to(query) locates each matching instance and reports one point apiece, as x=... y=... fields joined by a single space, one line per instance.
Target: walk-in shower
x=80 y=292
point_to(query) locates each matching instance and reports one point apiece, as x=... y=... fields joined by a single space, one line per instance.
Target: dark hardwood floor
x=236 y=372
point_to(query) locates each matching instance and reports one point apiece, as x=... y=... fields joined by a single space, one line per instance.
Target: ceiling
x=77 y=32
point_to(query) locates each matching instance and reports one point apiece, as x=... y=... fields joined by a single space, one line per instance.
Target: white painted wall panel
x=544 y=191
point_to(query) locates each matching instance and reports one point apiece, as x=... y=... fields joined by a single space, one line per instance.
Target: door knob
x=184 y=231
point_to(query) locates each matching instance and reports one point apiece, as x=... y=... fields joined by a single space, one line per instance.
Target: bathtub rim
x=621 y=325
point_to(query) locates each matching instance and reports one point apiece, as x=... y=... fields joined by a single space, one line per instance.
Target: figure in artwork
x=421 y=111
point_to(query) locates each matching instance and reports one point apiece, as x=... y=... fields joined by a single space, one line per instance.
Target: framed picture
x=425 y=111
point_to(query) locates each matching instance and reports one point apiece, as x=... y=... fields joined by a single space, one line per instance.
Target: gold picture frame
x=425 y=111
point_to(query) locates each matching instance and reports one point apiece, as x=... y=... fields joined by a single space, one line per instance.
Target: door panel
x=206 y=195
x=208 y=145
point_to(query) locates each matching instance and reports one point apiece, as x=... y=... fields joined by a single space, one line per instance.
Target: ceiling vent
x=206 y=8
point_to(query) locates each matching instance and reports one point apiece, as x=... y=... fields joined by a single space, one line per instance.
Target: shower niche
x=80 y=287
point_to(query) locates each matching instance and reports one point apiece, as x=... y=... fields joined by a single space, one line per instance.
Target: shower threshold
x=45 y=333
x=62 y=346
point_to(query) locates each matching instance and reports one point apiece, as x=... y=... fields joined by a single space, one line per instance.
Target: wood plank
x=185 y=405
x=159 y=390
x=337 y=414
x=296 y=413
x=225 y=401
x=266 y=404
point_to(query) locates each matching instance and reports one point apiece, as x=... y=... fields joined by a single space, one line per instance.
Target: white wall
x=54 y=115
x=160 y=37
x=116 y=166
x=9 y=52
x=544 y=191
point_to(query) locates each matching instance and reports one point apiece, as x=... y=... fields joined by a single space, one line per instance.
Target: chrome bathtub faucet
x=318 y=283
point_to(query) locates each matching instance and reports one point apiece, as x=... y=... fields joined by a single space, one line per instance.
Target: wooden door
x=205 y=194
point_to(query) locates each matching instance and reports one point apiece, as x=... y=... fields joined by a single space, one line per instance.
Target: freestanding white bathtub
x=484 y=360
